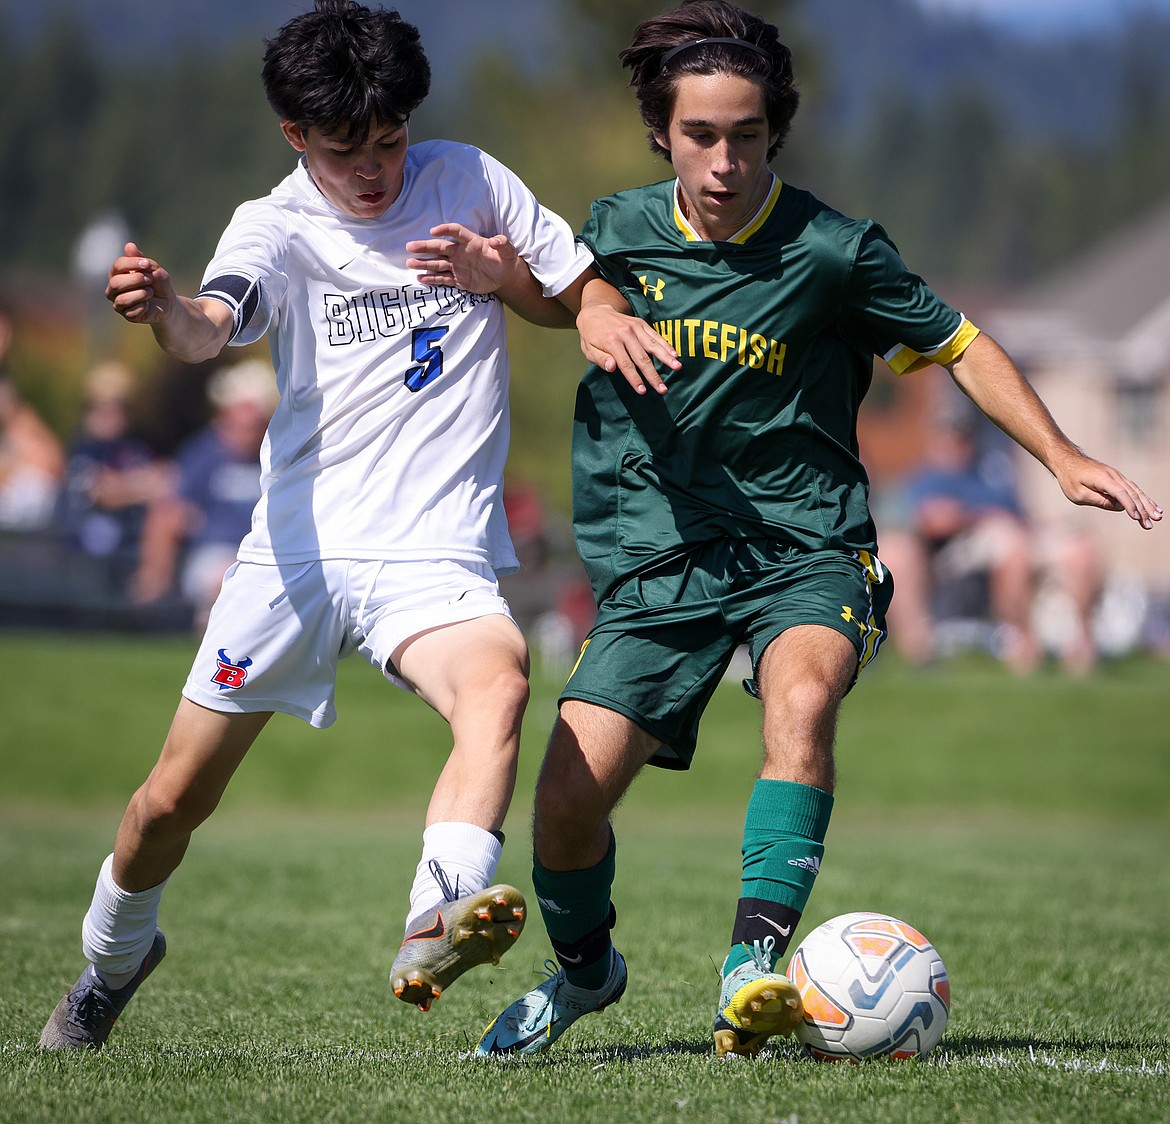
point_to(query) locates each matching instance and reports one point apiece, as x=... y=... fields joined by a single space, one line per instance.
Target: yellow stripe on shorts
x=875 y=574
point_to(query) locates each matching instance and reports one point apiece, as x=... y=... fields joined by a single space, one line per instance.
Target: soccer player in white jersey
x=381 y=527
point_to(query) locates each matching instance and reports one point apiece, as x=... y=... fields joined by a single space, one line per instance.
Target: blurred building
x=1095 y=343
x=1094 y=340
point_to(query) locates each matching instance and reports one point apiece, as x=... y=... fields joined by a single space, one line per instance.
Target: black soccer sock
x=757 y=919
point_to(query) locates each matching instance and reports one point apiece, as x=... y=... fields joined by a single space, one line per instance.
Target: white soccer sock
x=467 y=856
x=119 y=928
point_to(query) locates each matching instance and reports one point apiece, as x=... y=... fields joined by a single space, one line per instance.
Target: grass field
x=1024 y=826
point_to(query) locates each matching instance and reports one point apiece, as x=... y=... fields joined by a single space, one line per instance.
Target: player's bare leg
x=120 y=933
x=201 y=753
x=475 y=674
x=593 y=756
x=802 y=677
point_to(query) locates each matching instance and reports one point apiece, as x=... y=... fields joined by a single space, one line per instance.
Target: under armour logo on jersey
x=654 y=290
x=230 y=676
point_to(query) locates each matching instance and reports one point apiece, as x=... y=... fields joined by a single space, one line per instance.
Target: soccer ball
x=872 y=987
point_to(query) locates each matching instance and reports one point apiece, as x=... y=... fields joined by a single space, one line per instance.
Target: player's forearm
x=524 y=296
x=987 y=375
x=194 y=330
x=592 y=293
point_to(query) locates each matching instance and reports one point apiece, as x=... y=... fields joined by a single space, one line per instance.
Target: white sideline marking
x=1003 y=1060
x=940 y=1058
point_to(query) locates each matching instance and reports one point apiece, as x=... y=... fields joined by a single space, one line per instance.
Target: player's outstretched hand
x=454 y=255
x=139 y=288
x=1090 y=483
x=618 y=341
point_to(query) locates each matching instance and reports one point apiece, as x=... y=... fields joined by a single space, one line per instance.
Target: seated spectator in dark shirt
x=964 y=521
x=111 y=477
x=192 y=533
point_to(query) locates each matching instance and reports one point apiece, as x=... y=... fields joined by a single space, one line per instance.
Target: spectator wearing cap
x=192 y=533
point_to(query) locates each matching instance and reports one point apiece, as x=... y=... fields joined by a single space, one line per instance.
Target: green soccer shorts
x=663 y=639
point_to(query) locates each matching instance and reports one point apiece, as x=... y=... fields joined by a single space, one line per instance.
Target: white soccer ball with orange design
x=872 y=986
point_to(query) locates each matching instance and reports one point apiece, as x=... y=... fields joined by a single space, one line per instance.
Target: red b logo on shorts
x=230 y=676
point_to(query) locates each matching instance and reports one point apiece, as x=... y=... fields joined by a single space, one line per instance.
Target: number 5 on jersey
x=425 y=351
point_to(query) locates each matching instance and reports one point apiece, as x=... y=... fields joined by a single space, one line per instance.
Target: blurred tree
x=52 y=95
x=174 y=146
x=177 y=186
x=1142 y=165
x=606 y=26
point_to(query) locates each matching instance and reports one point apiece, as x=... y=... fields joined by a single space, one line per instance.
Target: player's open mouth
x=721 y=197
x=371 y=198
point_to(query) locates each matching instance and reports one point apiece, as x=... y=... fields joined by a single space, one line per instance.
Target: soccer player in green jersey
x=733 y=509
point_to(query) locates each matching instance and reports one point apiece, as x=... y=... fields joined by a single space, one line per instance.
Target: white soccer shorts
x=275 y=633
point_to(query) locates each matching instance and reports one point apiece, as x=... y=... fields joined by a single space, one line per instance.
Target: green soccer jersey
x=776 y=329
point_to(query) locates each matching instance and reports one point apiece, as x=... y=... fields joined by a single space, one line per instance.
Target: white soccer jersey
x=392 y=429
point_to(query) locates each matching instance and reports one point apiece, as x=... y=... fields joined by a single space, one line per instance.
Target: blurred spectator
x=967 y=551
x=111 y=476
x=192 y=532
x=559 y=632
x=526 y=523
x=32 y=460
x=577 y=606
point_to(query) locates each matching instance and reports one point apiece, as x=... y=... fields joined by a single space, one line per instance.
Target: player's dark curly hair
x=342 y=67
x=655 y=84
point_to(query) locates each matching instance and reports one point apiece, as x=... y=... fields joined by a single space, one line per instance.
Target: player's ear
x=294 y=135
x=661 y=139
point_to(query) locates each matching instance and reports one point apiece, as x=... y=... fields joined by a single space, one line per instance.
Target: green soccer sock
x=578 y=915
x=783 y=844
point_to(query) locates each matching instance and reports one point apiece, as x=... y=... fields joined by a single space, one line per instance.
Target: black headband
x=700 y=42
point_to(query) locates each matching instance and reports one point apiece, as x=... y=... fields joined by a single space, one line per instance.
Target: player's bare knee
x=511 y=692
x=163 y=813
x=500 y=699
x=805 y=703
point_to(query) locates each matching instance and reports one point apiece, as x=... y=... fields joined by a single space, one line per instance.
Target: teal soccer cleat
x=754 y=1004
x=536 y=1020
x=86 y=1015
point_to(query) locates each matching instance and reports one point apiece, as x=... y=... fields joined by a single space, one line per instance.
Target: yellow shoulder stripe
x=902 y=359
